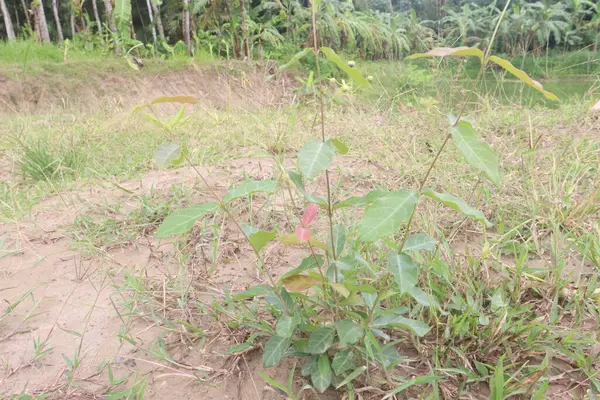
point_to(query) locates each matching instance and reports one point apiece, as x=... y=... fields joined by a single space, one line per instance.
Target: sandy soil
x=74 y=297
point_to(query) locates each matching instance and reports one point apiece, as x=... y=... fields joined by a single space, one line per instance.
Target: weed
x=37 y=163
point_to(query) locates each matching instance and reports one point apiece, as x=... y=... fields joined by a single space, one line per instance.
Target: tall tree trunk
x=243 y=22
x=72 y=21
x=17 y=17
x=10 y=32
x=97 y=17
x=42 y=26
x=151 y=21
x=26 y=12
x=57 y=21
x=108 y=10
x=186 y=25
x=159 y=25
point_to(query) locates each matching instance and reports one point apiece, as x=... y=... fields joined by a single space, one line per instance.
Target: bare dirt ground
x=74 y=297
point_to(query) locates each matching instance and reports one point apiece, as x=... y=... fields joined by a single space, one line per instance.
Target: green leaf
x=273 y=382
x=169 y=154
x=352 y=300
x=405 y=271
x=418 y=327
x=522 y=75
x=182 y=221
x=300 y=283
x=340 y=288
x=286 y=325
x=258 y=239
x=476 y=152
x=450 y=51
x=306 y=264
x=386 y=215
x=175 y=99
x=254 y=291
x=340 y=147
x=349 y=331
x=339 y=239
x=309 y=366
x=420 y=241
x=458 y=204
x=321 y=377
x=314 y=157
x=291 y=239
x=353 y=73
x=122 y=15
x=421 y=380
x=362 y=200
x=320 y=340
x=420 y=296
x=249 y=187
x=296 y=178
x=343 y=360
x=390 y=356
x=297 y=57
x=355 y=374
x=274 y=350
x=240 y=348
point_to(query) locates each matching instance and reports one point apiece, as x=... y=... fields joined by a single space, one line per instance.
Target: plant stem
x=322 y=111
x=460 y=113
x=229 y=214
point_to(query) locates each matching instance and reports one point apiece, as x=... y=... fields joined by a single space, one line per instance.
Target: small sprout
x=351 y=64
x=370 y=78
x=332 y=80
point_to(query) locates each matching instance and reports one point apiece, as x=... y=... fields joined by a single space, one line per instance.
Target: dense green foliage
x=373 y=29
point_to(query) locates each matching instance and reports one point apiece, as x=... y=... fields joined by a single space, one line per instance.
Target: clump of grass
x=37 y=162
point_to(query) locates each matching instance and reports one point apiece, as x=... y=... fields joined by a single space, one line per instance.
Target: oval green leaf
x=249 y=187
x=405 y=271
x=476 y=152
x=315 y=157
x=353 y=73
x=522 y=75
x=349 y=331
x=274 y=350
x=182 y=221
x=386 y=215
x=321 y=376
x=257 y=238
x=420 y=241
x=320 y=340
x=343 y=360
x=458 y=204
x=297 y=57
x=286 y=325
x=450 y=52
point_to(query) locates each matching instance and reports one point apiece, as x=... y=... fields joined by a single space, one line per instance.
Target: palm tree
x=159 y=25
x=151 y=21
x=97 y=17
x=10 y=33
x=40 y=21
x=243 y=26
x=59 y=31
x=186 y=25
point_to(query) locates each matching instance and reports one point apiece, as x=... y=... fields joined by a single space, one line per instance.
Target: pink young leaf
x=302 y=234
x=309 y=215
